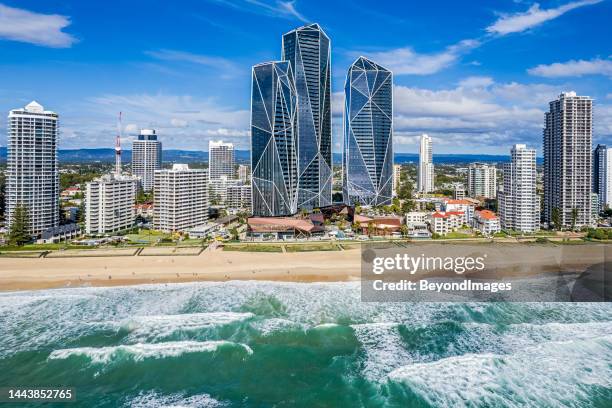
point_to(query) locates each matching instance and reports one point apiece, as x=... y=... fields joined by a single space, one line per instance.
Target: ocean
x=267 y=344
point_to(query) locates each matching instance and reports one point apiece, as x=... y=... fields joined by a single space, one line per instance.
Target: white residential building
x=218 y=189
x=463 y=206
x=458 y=191
x=181 y=198
x=442 y=223
x=482 y=180
x=568 y=138
x=109 y=204
x=220 y=160
x=486 y=222
x=518 y=202
x=397 y=170
x=239 y=196
x=426 y=167
x=244 y=173
x=32 y=177
x=416 y=217
x=146 y=157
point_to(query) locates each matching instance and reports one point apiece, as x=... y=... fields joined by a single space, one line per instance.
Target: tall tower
x=482 y=180
x=426 y=167
x=146 y=157
x=221 y=160
x=368 y=134
x=518 y=203
x=32 y=171
x=118 y=147
x=273 y=141
x=568 y=136
x=308 y=51
x=599 y=172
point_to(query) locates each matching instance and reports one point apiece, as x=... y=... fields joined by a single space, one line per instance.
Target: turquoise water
x=263 y=344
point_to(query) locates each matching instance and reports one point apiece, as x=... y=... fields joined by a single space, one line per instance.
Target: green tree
x=371 y=228
x=234 y=233
x=555 y=218
x=404 y=230
x=18 y=233
x=81 y=213
x=574 y=217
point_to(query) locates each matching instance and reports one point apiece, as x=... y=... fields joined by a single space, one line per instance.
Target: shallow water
x=261 y=344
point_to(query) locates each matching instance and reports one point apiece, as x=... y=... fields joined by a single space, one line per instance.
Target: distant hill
x=191 y=156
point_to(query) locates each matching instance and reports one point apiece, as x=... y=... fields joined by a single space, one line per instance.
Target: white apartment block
x=218 y=189
x=239 y=196
x=32 y=177
x=244 y=173
x=568 y=137
x=518 y=202
x=486 y=222
x=181 y=198
x=220 y=160
x=426 y=167
x=442 y=223
x=146 y=157
x=109 y=204
x=482 y=180
x=416 y=217
x=463 y=206
x=397 y=170
x=458 y=191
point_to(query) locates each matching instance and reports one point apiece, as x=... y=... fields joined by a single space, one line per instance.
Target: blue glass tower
x=368 y=134
x=273 y=153
x=308 y=50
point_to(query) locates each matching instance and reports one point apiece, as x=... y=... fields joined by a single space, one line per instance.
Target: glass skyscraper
x=308 y=51
x=273 y=140
x=368 y=134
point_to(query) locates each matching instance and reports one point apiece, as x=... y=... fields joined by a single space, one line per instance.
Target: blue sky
x=476 y=75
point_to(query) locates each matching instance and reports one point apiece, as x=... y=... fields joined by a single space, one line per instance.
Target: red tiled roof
x=487 y=215
x=465 y=202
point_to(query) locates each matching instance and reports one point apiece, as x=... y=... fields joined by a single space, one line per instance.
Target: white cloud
x=406 y=61
x=34 y=28
x=534 y=16
x=476 y=82
x=181 y=121
x=275 y=8
x=224 y=65
x=574 y=68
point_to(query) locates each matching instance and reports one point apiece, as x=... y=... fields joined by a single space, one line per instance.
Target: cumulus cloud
x=574 y=68
x=34 y=28
x=406 y=61
x=534 y=16
x=181 y=121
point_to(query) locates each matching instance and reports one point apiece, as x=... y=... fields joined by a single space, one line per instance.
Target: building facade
x=425 y=176
x=239 y=196
x=32 y=177
x=368 y=134
x=146 y=157
x=567 y=144
x=274 y=178
x=482 y=180
x=244 y=173
x=109 y=204
x=181 y=198
x=221 y=160
x=599 y=173
x=518 y=202
x=308 y=51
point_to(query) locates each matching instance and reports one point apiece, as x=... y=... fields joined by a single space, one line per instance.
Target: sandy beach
x=217 y=265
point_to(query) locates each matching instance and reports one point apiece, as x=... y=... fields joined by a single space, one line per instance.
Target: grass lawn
x=144 y=237
x=42 y=247
x=457 y=235
x=311 y=247
x=253 y=248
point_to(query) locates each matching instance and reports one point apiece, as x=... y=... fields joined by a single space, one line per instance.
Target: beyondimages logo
x=422 y=263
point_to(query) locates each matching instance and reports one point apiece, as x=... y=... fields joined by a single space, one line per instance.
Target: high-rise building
x=181 y=198
x=308 y=51
x=220 y=160
x=458 y=191
x=599 y=172
x=482 y=180
x=146 y=157
x=109 y=204
x=274 y=175
x=604 y=188
x=567 y=160
x=397 y=172
x=217 y=192
x=368 y=134
x=32 y=170
x=426 y=167
x=243 y=173
x=518 y=203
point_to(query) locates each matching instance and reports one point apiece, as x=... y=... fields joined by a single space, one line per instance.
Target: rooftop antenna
x=118 y=147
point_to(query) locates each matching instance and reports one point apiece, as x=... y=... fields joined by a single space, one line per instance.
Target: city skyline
x=455 y=84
